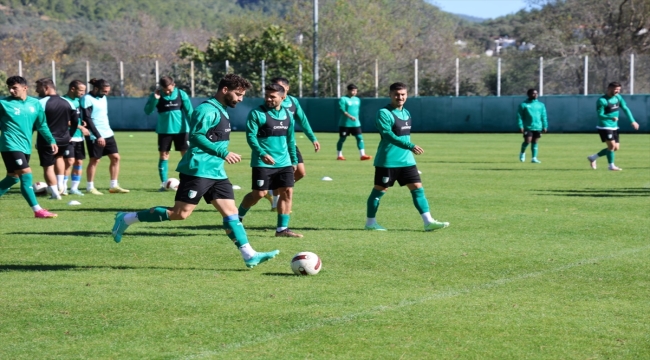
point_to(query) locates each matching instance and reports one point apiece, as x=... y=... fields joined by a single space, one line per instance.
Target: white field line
x=446 y=294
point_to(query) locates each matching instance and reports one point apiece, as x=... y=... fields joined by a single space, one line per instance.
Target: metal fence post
x=457 y=76
x=122 y=78
x=631 y=74
x=338 y=78
x=263 y=80
x=300 y=79
x=376 y=78
x=192 y=78
x=586 y=91
x=87 y=76
x=54 y=72
x=416 y=79
x=499 y=77
x=541 y=76
x=227 y=66
x=20 y=68
x=157 y=74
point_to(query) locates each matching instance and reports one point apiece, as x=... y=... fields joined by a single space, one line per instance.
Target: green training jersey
x=531 y=115
x=18 y=119
x=608 y=109
x=395 y=147
x=76 y=104
x=174 y=111
x=350 y=105
x=271 y=132
x=209 y=139
x=292 y=104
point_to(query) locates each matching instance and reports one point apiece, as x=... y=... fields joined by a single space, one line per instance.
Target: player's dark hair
x=530 y=92
x=166 y=81
x=398 y=86
x=614 y=84
x=98 y=83
x=352 y=87
x=74 y=84
x=234 y=82
x=46 y=82
x=13 y=80
x=280 y=80
x=274 y=88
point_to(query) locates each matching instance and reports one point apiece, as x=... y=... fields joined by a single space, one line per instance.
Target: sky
x=481 y=8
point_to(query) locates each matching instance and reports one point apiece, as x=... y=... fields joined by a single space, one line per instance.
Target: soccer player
x=174 y=111
x=59 y=115
x=395 y=162
x=270 y=134
x=608 y=111
x=532 y=120
x=76 y=154
x=349 y=123
x=101 y=140
x=19 y=115
x=202 y=173
x=292 y=104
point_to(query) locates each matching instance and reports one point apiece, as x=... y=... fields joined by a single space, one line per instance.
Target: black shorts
x=345 y=131
x=272 y=178
x=385 y=177
x=608 y=135
x=533 y=134
x=95 y=151
x=75 y=150
x=47 y=157
x=15 y=160
x=181 y=142
x=299 y=155
x=192 y=188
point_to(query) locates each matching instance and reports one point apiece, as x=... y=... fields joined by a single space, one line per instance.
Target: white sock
x=247 y=251
x=114 y=183
x=60 y=181
x=131 y=218
x=426 y=217
x=371 y=221
x=75 y=185
x=362 y=152
x=37 y=208
x=340 y=153
x=90 y=185
x=275 y=201
x=281 y=228
x=54 y=189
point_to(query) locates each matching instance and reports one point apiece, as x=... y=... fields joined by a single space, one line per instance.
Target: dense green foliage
x=546 y=261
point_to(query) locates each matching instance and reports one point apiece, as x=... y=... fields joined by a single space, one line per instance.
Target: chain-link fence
x=469 y=76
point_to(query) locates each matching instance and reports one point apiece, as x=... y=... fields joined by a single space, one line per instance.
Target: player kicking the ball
x=395 y=162
x=202 y=173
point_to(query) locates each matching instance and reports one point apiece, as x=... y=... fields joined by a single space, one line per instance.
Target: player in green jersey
x=76 y=153
x=202 y=172
x=395 y=162
x=607 y=108
x=174 y=109
x=270 y=134
x=349 y=123
x=531 y=117
x=19 y=115
x=294 y=108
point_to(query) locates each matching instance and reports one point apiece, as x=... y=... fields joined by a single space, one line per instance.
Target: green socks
x=26 y=189
x=283 y=220
x=420 y=201
x=339 y=144
x=7 y=183
x=610 y=156
x=156 y=214
x=359 y=141
x=602 y=152
x=162 y=169
x=242 y=211
x=534 y=148
x=373 y=203
x=235 y=230
x=524 y=145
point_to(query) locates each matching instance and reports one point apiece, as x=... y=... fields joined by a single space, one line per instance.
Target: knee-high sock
x=420 y=201
x=7 y=183
x=162 y=169
x=235 y=230
x=602 y=152
x=359 y=138
x=155 y=214
x=339 y=144
x=283 y=221
x=524 y=146
x=373 y=203
x=242 y=210
x=27 y=190
x=534 y=150
x=610 y=156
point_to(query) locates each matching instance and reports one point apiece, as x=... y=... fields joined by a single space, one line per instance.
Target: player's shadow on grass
x=279 y=274
x=114 y=210
x=590 y=192
x=262 y=228
x=21 y=267
x=532 y=169
x=100 y=233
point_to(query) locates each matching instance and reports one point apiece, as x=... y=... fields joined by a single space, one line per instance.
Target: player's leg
x=356 y=132
x=343 y=133
x=613 y=146
x=77 y=167
x=300 y=171
x=59 y=170
x=11 y=179
x=260 y=181
x=605 y=136
x=535 y=147
x=410 y=177
x=283 y=182
x=68 y=162
x=47 y=160
x=528 y=137
x=382 y=182
x=114 y=167
x=20 y=167
x=95 y=152
x=164 y=146
x=249 y=201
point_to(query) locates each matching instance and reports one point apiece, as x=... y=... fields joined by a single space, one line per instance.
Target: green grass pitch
x=546 y=261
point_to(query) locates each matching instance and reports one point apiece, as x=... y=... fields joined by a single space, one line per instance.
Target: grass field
x=548 y=261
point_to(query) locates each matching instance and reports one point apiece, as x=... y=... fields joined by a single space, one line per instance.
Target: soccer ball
x=39 y=187
x=172 y=184
x=306 y=263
